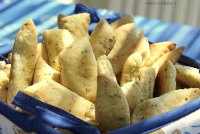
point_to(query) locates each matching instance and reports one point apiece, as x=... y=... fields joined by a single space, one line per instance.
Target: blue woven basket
x=45 y=117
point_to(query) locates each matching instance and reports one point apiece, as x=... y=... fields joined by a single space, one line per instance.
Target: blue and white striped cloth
x=44 y=13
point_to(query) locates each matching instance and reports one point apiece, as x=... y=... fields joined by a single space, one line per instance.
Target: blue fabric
x=45 y=117
x=28 y=123
x=82 y=8
x=95 y=15
x=110 y=16
x=3 y=59
x=5 y=49
x=44 y=17
x=185 y=60
x=22 y=120
x=29 y=103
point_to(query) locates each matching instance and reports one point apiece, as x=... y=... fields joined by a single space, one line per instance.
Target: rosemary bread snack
x=102 y=39
x=159 y=105
x=3 y=85
x=110 y=79
x=24 y=58
x=53 y=93
x=79 y=69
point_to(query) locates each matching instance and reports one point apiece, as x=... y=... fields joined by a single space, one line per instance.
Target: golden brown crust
x=164 y=103
x=43 y=72
x=166 y=79
x=173 y=56
x=147 y=80
x=55 y=41
x=79 y=69
x=131 y=68
x=189 y=76
x=126 y=38
x=42 y=52
x=77 y=24
x=55 y=94
x=111 y=109
x=132 y=91
x=142 y=46
x=102 y=39
x=157 y=50
x=23 y=59
x=6 y=69
x=105 y=67
x=125 y=20
x=3 y=86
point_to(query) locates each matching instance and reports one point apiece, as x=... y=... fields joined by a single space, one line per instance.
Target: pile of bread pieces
x=111 y=78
